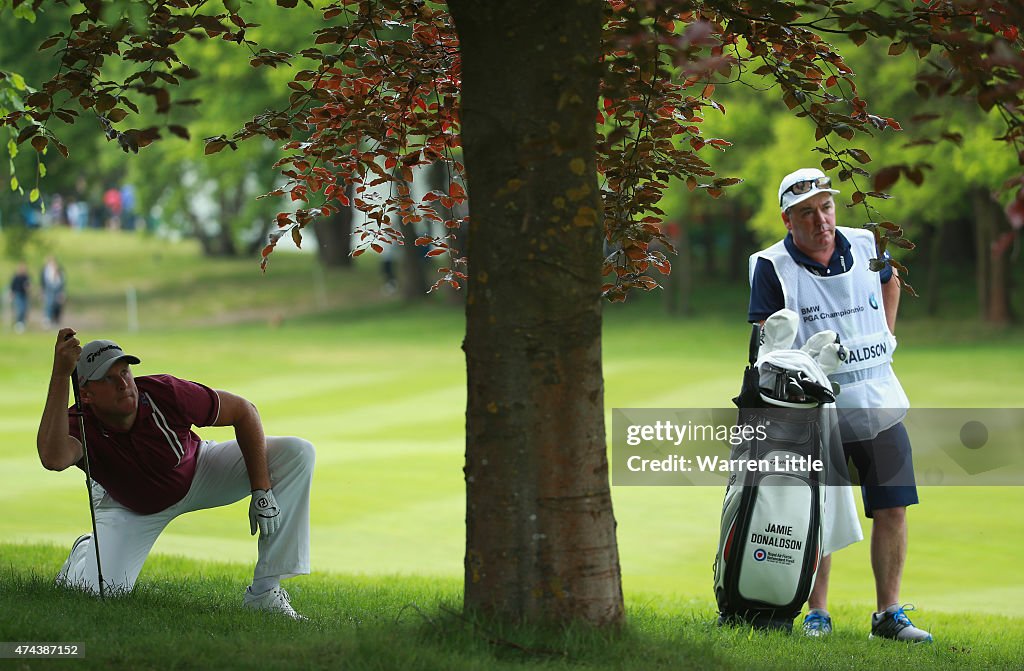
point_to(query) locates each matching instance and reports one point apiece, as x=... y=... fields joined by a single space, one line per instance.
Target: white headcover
x=825 y=349
x=778 y=332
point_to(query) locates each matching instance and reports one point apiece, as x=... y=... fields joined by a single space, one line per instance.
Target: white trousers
x=126 y=537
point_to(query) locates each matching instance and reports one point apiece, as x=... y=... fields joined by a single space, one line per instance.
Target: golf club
x=88 y=474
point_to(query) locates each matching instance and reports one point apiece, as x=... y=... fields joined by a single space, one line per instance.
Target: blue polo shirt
x=766 y=297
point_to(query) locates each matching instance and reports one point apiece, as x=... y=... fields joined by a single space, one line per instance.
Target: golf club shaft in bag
x=88 y=476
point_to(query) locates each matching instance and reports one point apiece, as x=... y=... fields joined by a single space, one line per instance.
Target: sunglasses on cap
x=805 y=185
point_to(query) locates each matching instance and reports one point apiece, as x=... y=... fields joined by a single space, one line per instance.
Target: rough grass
x=186 y=615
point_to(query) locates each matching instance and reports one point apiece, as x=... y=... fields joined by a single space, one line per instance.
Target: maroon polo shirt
x=149 y=467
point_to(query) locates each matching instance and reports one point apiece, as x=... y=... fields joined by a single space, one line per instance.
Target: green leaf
x=14 y=182
x=33 y=195
x=24 y=11
x=897 y=48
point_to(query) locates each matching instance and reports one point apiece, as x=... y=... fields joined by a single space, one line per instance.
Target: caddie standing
x=150 y=467
x=821 y=272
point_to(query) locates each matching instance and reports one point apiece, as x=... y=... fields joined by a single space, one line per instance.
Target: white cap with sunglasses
x=798 y=186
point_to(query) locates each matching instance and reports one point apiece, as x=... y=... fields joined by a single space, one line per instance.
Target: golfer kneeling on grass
x=149 y=467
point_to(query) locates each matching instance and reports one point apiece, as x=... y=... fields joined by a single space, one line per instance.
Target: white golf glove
x=263 y=513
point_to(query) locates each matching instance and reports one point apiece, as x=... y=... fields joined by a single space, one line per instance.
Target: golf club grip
x=76 y=391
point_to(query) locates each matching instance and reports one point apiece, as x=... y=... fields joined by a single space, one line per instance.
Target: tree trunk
x=334 y=237
x=229 y=209
x=540 y=533
x=679 y=284
x=935 y=246
x=414 y=266
x=994 y=242
x=709 y=234
x=740 y=244
x=983 y=241
x=212 y=245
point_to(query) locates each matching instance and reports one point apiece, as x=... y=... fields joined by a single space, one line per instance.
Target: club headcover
x=831 y=357
x=825 y=348
x=779 y=331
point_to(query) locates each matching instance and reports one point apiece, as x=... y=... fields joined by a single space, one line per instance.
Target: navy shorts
x=885 y=469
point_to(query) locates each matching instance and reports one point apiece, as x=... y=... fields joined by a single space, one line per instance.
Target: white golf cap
x=97 y=358
x=814 y=180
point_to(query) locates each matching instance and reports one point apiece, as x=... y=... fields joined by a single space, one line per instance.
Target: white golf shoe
x=894 y=624
x=62 y=577
x=274 y=600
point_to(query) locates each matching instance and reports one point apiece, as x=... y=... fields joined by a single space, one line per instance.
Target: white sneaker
x=62 y=577
x=274 y=600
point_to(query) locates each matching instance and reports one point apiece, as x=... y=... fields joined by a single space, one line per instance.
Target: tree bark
x=540 y=532
x=212 y=245
x=414 y=266
x=983 y=240
x=679 y=284
x=994 y=237
x=935 y=263
x=334 y=237
x=740 y=244
x=334 y=240
x=230 y=206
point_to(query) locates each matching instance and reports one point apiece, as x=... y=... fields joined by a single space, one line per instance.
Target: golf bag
x=770 y=540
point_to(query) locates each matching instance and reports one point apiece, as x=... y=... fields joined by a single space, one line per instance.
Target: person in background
x=20 y=284
x=51 y=279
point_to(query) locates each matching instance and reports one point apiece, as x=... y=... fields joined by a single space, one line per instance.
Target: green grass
x=186 y=615
x=379 y=387
x=175 y=287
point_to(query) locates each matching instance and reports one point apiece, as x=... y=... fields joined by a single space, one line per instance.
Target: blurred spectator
x=52 y=282
x=78 y=214
x=20 y=283
x=57 y=213
x=128 y=207
x=31 y=213
x=112 y=202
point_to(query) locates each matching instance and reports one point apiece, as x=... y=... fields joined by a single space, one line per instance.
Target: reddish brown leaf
x=886 y=177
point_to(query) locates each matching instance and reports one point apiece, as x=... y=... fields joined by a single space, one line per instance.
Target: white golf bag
x=770 y=541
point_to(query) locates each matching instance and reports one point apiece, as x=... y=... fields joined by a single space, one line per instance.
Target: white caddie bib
x=850 y=304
